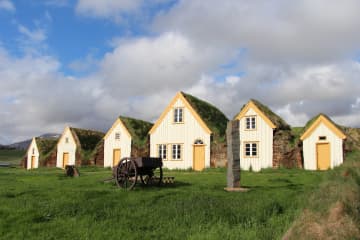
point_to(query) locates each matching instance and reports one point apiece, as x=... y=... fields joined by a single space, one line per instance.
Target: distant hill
x=23 y=145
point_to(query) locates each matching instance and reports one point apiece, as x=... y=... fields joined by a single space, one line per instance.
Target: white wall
x=110 y=143
x=309 y=147
x=64 y=147
x=264 y=136
x=32 y=151
x=174 y=133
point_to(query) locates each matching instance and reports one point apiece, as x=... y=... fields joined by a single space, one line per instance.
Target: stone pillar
x=233 y=154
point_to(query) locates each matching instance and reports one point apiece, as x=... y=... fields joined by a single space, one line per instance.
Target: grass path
x=44 y=204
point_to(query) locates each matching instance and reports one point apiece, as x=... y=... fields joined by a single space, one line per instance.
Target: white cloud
x=7 y=5
x=107 y=8
x=37 y=35
x=272 y=31
x=145 y=65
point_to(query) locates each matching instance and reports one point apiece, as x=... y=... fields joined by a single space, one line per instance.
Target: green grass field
x=11 y=156
x=44 y=204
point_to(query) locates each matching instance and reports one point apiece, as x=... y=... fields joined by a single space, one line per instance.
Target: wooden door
x=116 y=156
x=199 y=157
x=323 y=156
x=65 y=159
x=32 y=161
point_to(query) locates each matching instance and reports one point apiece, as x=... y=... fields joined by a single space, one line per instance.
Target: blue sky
x=84 y=62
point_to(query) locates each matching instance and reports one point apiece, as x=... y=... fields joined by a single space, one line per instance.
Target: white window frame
x=251 y=149
x=250 y=123
x=66 y=140
x=162 y=151
x=176 y=151
x=178 y=115
x=117 y=136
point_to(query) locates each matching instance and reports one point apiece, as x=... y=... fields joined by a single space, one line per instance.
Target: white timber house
x=182 y=136
x=257 y=125
x=322 y=144
x=32 y=155
x=75 y=146
x=126 y=138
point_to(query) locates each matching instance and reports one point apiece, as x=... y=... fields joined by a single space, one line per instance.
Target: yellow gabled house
x=258 y=125
x=322 y=144
x=186 y=131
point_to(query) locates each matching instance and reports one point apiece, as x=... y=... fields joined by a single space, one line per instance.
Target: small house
x=41 y=152
x=128 y=137
x=264 y=137
x=187 y=132
x=77 y=146
x=322 y=144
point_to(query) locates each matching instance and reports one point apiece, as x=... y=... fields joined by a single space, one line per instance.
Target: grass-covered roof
x=88 y=139
x=46 y=145
x=273 y=117
x=138 y=129
x=312 y=120
x=212 y=116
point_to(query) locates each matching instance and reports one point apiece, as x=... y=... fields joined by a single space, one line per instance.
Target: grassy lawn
x=11 y=156
x=44 y=204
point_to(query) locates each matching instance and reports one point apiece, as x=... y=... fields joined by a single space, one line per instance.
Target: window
x=322 y=138
x=251 y=122
x=66 y=140
x=33 y=151
x=251 y=150
x=117 y=136
x=162 y=151
x=198 y=141
x=178 y=115
x=176 y=151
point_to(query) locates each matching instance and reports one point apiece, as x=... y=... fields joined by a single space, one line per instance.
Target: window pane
x=247 y=123
x=253 y=123
x=179 y=152
x=175 y=115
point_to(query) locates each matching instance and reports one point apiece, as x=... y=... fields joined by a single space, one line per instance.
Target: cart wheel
x=155 y=178
x=126 y=174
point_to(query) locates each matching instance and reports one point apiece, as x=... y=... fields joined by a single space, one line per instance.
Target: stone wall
x=284 y=153
x=218 y=155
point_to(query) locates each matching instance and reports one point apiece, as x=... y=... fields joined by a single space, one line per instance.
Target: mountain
x=23 y=145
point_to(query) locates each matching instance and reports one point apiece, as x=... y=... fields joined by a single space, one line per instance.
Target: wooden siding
x=110 y=143
x=185 y=133
x=30 y=154
x=309 y=147
x=64 y=147
x=263 y=135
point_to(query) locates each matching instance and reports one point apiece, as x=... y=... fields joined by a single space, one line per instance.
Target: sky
x=84 y=62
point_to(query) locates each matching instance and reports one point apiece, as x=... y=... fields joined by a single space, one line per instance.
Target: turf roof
x=138 y=129
x=212 y=116
x=312 y=120
x=88 y=139
x=274 y=118
x=45 y=145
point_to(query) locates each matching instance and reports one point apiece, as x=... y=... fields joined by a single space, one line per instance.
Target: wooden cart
x=128 y=170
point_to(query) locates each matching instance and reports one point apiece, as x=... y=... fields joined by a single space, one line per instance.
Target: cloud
x=293 y=56
x=37 y=35
x=147 y=64
x=7 y=5
x=272 y=31
x=107 y=8
x=37 y=98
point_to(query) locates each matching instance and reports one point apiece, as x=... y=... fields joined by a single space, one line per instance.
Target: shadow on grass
x=291 y=186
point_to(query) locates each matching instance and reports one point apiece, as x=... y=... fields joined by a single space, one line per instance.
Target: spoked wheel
x=154 y=178
x=126 y=174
